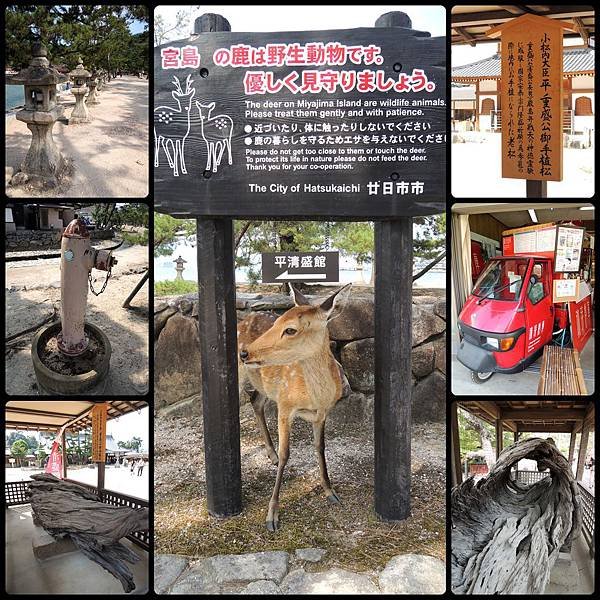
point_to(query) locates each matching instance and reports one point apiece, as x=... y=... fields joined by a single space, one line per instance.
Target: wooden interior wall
x=487 y=226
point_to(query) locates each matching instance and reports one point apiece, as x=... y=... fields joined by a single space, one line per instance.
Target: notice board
x=531 y=97
x=99 y=432
x=303 y=124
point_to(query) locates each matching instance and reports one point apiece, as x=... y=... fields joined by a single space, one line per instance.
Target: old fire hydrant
x=77 y=258
x=72 y=356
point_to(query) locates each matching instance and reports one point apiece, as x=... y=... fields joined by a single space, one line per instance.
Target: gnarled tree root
x=64 y=508
x=506 y=535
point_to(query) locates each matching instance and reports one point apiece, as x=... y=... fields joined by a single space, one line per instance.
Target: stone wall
x=177 y=360
x=27 y=239
x=38 y=239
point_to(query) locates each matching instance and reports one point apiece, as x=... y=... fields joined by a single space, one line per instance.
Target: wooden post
x=455 y=446
x=393 y=382
x=498 y=438
x=136 y=289
x=218 y=349
x=572 y=448
x=536 y=189
x=393 y=346
x=516 y=436
x=583 y=444
x=63 y=445
x=101 y=473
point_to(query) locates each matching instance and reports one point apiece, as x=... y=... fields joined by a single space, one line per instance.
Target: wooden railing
x=15 y=494
x=530 y=477
x=587 y=512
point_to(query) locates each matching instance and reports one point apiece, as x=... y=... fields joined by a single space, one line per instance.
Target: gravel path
x=109 y=155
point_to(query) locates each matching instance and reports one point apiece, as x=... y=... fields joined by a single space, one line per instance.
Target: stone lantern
x=80 y=77
x=179 y=268
x=100 y=80
x=44 y=162
x=93 y=83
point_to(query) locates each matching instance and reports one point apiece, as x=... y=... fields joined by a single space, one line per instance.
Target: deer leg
x=283 y=424
x=179 y=155
x=165 y=145
x=221 y=152
x=209 y=156
x=258 y=401
x=319 y=441
x=156 y=149
x=182 y=156
x=228 y=142
x=215 y=164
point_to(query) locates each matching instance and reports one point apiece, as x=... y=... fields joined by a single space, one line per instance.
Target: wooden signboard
x=531 y=97
x=99 y=432
x=306 y=124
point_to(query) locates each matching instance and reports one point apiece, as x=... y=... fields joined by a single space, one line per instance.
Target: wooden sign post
x=99 y=413
x=335 y=125
x=532 y=100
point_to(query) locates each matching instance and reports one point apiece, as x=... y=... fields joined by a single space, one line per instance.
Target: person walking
x=132 y=466
x=140 y=466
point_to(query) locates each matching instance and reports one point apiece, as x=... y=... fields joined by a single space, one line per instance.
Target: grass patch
x=171 y=288
x=351 y=533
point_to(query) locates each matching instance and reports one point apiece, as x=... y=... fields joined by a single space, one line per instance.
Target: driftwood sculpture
x=506 y=535
x=64 y=508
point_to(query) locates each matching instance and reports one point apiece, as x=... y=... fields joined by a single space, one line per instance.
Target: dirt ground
x=109 y=156
x=33 y=287
x=351 y=533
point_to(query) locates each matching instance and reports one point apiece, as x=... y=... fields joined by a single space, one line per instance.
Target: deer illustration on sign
x=172 y=127
x=216 y=132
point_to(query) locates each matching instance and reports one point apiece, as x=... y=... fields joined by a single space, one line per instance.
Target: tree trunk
x=485 y=439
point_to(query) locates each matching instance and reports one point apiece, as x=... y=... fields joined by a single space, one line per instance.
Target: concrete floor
x=583 y=582
x=70 y=573
x=518 y=384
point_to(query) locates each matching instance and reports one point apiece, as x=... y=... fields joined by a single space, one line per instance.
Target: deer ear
x=298 y=297
x=336 y=300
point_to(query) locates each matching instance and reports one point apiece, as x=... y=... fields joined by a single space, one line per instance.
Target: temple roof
x=576 y=60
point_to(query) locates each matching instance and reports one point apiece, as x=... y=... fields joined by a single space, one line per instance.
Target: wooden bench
x=560 y=373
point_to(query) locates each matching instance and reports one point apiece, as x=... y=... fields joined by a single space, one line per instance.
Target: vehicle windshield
x=501 y=279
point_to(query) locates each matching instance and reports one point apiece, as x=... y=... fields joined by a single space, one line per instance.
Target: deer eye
x=290 y=331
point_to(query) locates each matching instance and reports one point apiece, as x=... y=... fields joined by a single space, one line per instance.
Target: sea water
x=15 y=96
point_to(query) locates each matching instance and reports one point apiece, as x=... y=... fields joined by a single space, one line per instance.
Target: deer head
x=298 y=334
x=208 y=108
x=178 y=93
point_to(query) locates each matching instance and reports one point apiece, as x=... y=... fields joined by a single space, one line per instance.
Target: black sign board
x=300 y=266
x=306 y=124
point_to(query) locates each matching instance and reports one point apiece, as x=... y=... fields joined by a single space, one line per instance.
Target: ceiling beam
x=544 y=414
x=544 y=428
x=487 y=18
x=582 y=30
x=465 y=35
x=33 y=411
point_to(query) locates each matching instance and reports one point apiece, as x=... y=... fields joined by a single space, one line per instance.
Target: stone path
x=286 y=574
x=109 y=155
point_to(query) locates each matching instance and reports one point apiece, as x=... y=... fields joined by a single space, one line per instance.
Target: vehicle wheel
x=481 y=377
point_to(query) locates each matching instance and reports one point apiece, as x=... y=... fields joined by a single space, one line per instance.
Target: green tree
x=165 y=232
x=98 y=33
x=19 y=450
x=41 y=456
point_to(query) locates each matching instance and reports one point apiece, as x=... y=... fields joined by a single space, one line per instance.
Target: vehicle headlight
x=493 y=342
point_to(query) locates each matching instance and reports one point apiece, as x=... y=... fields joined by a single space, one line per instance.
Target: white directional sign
x=300 y=266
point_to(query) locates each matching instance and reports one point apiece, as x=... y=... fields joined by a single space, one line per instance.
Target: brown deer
x=289 y=360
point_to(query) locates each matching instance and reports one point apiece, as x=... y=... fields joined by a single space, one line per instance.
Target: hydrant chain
x=108 y=274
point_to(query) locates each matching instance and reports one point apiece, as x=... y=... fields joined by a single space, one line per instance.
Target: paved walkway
x=109 y=155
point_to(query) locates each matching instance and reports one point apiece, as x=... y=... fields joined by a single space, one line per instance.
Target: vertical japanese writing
x=545 y=159
x=520 y=106
x=530 y=112
x=511 y=100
